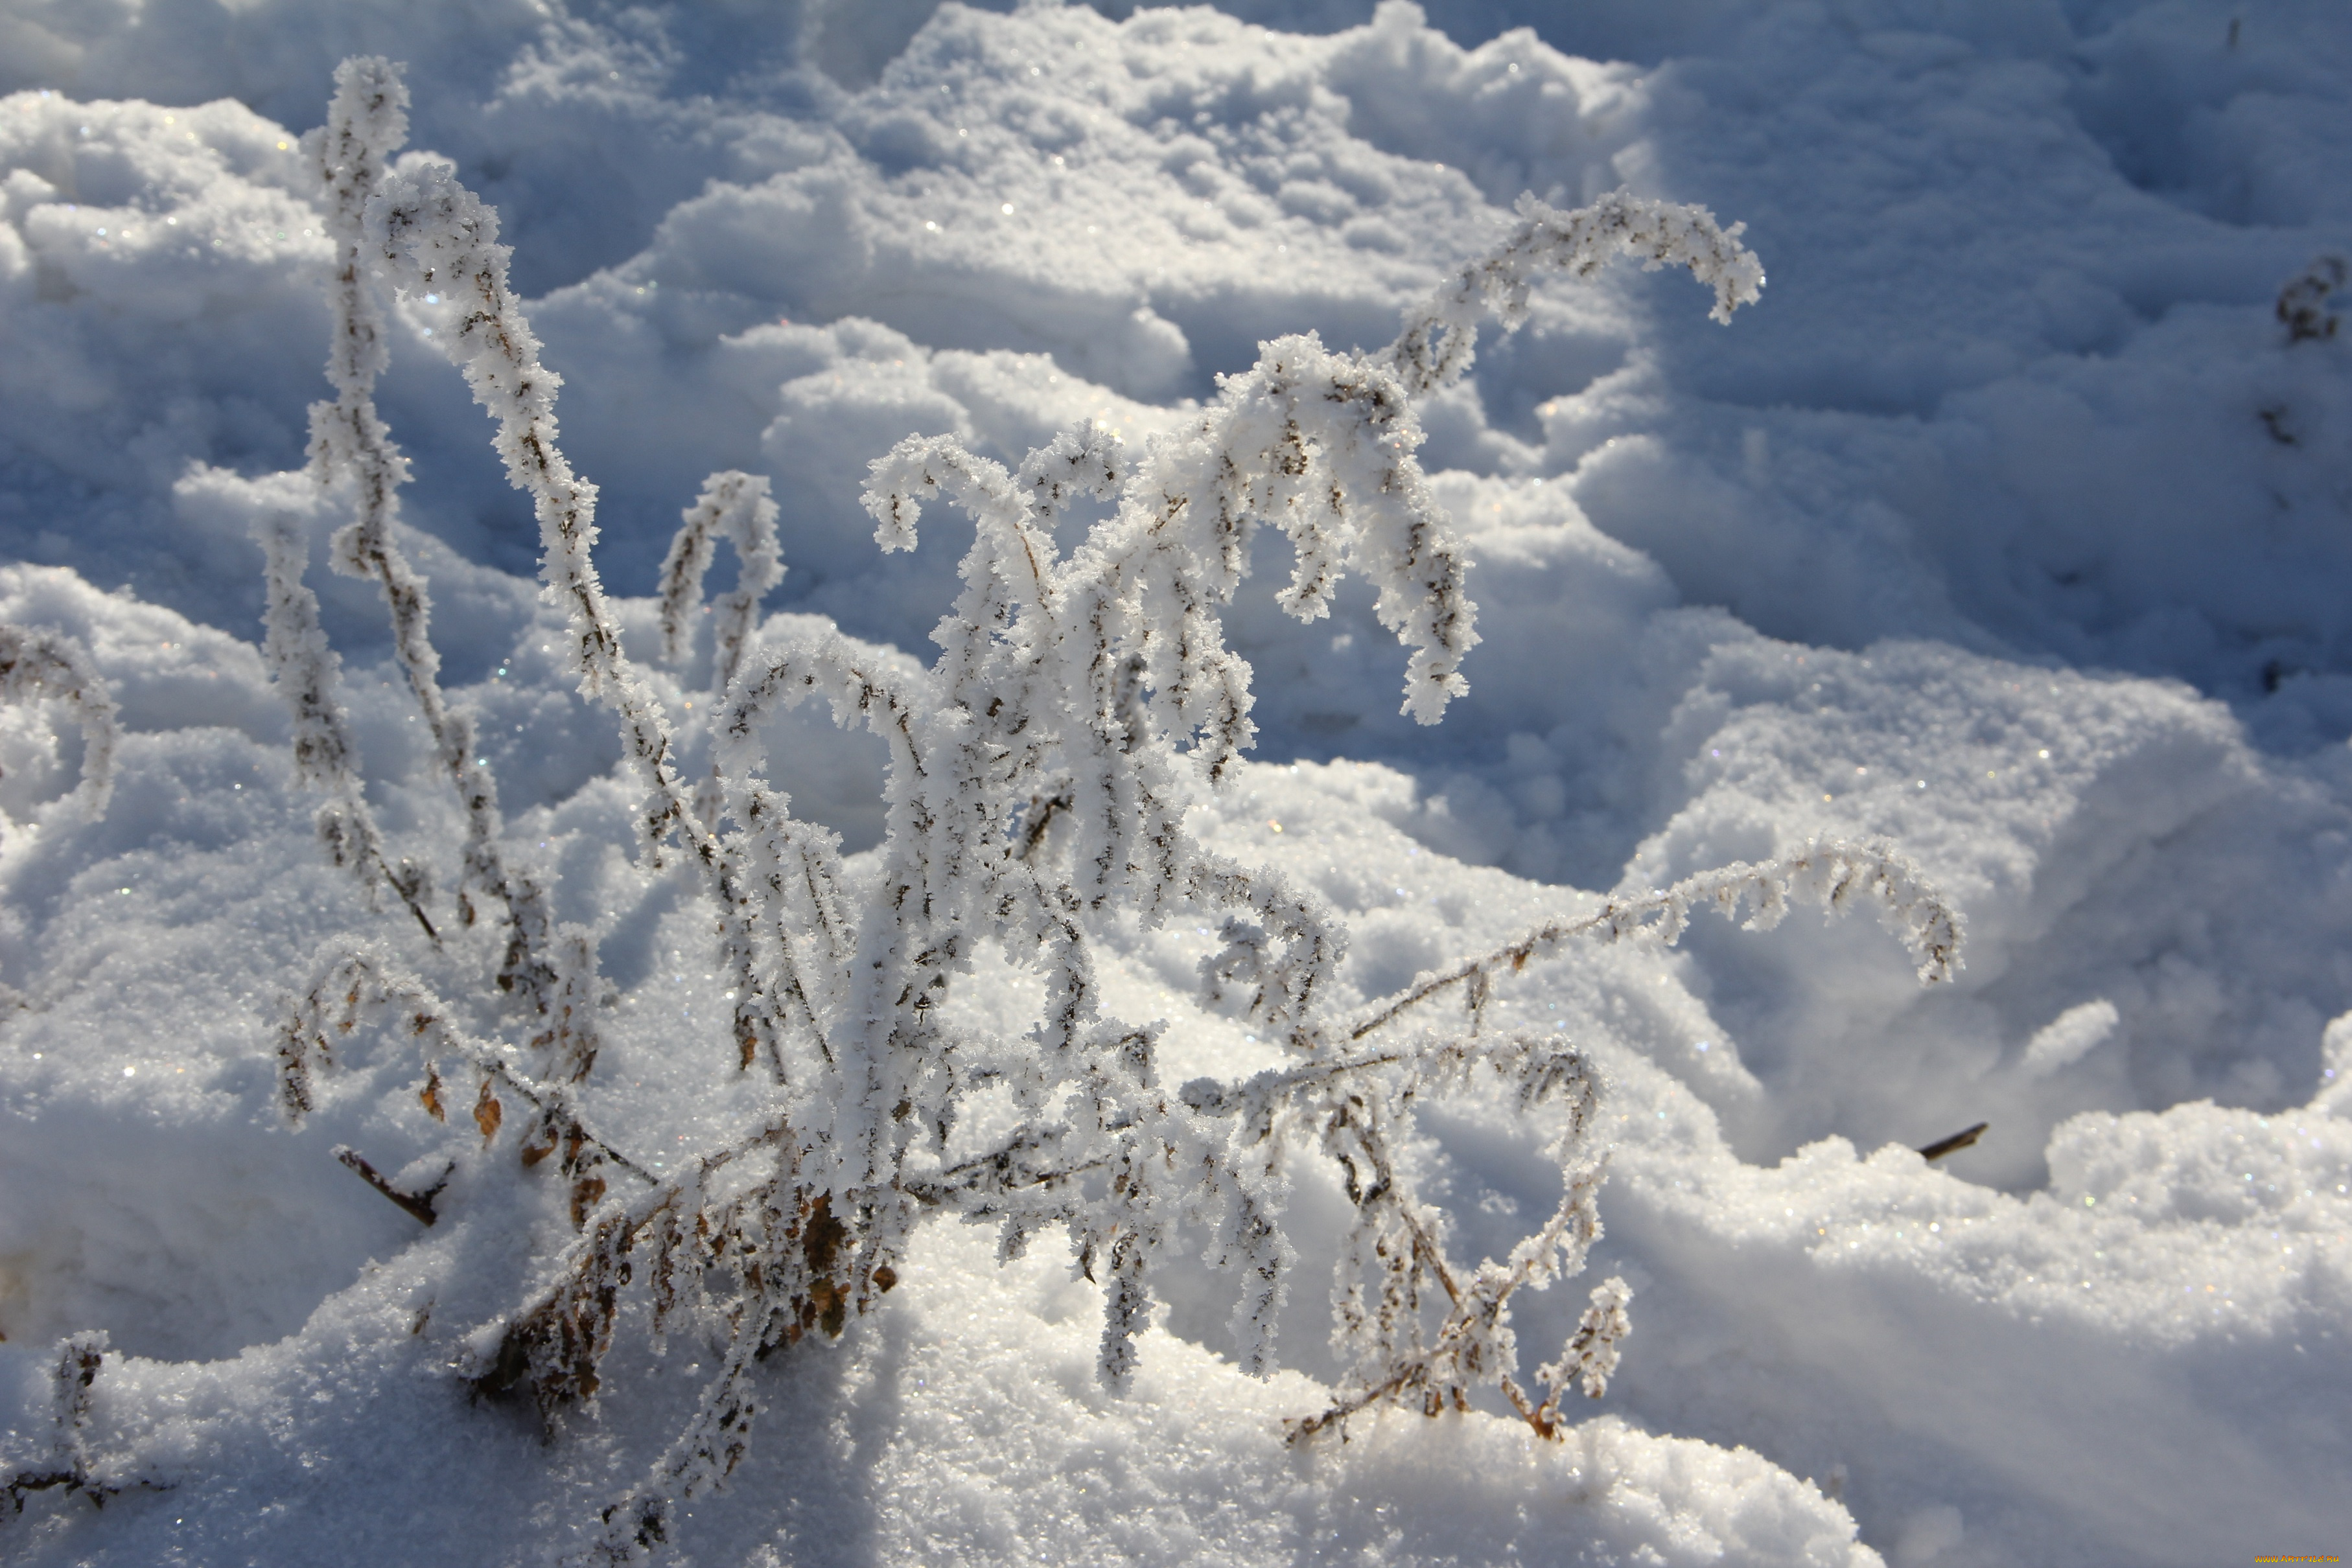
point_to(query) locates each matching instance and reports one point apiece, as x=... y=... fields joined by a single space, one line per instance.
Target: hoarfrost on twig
x=366 y=121
x=308 y=674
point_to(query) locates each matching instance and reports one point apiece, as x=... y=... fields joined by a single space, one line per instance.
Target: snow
x=2008 y=527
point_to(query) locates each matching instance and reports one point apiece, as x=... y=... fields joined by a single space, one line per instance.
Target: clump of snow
x=2070 y=1037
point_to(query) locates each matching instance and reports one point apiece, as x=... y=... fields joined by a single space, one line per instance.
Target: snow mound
x=2007 y=529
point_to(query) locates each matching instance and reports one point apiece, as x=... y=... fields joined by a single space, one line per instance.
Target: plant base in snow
x=69 y=1468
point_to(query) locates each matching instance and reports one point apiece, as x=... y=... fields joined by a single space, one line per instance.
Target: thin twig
x=417 y=1205
x=1955 y=1144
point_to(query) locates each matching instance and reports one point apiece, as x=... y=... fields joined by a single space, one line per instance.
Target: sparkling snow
x=2009 y=527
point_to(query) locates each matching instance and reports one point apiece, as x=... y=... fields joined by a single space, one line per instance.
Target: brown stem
x=419 y=1208
x=1308 y=1425
x=1955 y=1144
x=1535 y=1416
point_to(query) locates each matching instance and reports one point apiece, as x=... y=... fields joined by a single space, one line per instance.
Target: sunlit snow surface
x=2009 y=527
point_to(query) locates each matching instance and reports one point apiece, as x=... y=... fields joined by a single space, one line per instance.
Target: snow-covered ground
x=2013 y=526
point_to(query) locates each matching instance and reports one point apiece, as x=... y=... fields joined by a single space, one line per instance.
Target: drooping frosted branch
x=1440 y=334
x=36 y=664
x=734 y=506
x=1083 y=677
x=1591 y=1354
x=1395 y=1247
x=1833 y=874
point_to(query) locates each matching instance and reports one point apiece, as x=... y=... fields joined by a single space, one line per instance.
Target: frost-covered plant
x=549 y=967
x=1041 y=773
x=1439 y=338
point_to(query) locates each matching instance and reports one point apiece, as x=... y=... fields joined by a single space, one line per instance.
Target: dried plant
x=1040 y=776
